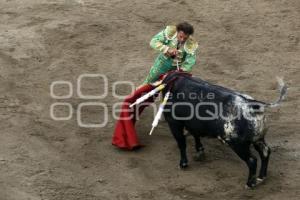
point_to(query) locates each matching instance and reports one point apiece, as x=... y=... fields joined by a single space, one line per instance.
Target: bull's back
x=207 y=109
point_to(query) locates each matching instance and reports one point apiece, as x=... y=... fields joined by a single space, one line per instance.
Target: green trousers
x=161 y=65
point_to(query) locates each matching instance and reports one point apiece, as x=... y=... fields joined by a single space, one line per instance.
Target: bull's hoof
x=247 y=187
x=260 y=180
x=199 y=156
x=183 y=165
x=251 y=184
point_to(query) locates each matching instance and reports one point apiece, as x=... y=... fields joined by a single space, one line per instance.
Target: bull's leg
x=177 y=131
x=199 y=149
x=264 y=153
x=243 y=151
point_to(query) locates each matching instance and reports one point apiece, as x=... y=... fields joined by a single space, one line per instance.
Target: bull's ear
x=190 y=45
x=170 y=32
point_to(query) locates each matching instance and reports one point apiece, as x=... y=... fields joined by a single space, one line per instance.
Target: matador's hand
x=172 y=52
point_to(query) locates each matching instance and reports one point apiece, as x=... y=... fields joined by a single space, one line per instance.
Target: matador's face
x=182 y=37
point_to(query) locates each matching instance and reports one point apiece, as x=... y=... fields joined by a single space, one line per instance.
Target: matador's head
x=184 y=30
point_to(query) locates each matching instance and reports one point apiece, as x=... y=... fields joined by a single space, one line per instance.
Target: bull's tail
x=282 y=90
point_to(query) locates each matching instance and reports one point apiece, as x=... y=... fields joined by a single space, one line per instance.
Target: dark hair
x=185 y=27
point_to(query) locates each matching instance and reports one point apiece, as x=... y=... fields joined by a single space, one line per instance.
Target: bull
x=208 y=110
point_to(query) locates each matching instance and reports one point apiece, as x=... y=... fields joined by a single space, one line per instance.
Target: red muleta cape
x=125 y=136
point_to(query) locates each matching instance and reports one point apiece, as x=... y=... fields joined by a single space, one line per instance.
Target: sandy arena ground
x=244 y=45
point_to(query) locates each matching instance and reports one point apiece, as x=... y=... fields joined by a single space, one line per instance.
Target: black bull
x=204 y=109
